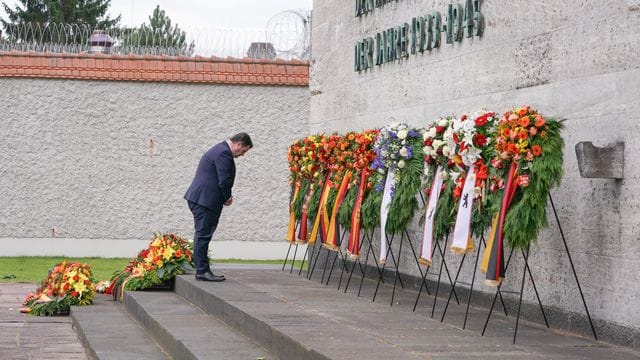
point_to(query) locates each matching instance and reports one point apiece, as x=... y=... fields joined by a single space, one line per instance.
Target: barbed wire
x=287 y=37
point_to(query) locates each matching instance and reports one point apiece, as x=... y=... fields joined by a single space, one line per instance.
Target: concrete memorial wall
x=573 y=60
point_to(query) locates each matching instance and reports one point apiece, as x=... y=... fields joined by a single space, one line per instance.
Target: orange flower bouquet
x=67 y=284
x=168 y=255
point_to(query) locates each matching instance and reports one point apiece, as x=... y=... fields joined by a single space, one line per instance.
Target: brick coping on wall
x=154 y=68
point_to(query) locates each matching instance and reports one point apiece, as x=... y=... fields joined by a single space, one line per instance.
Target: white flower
x=401 y=164
x=431 y=132
x=402 y=134
x=427 y=150
x=443 y=122
x=404 y=152
x=446 y=150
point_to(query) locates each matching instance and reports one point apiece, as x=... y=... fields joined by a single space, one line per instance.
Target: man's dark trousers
x=206 y=221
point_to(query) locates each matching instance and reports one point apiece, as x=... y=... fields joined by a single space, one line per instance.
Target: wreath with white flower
x=471 y=139
x=399 y=152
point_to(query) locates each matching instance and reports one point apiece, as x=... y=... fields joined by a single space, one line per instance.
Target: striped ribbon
x=493 y=260
x=354 y=237
x=321 y=206
x=291 y=229
x=332 y=232
x=303 y=234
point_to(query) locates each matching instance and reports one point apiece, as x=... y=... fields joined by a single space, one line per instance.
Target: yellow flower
x=168 y=253
x=156 y=242
x=522 y=145
x=80 y=287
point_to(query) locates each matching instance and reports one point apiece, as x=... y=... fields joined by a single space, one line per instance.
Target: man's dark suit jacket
x=211 y=186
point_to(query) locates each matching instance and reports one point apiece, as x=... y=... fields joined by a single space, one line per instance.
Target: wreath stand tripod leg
x=442 y=265
x=284 y=263
x=304 y=258
x=356 y=262
x=324 y=268
x=493 y=303
x=293 y=261
x=317 y=248
x=524 y=275
x=397 y=274
x=573 y=269
x=535 y=289
x=473 y=280
x=375 y=260
x=422 y=275
x=336 y=256
x=455 y=281
x=375 y=293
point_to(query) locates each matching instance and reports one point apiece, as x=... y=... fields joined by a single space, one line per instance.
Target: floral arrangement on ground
x=67 y=284
x=168 y=255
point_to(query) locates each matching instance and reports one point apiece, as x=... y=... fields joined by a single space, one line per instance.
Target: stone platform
x=261 y=312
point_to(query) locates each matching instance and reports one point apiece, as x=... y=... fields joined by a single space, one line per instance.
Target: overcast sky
x=218 y=27
x=201 y=13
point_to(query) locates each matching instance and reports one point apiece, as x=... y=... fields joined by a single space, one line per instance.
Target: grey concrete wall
x=77 y=156
x=576 y=60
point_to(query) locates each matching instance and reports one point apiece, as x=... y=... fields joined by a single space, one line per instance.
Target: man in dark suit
x=210 y=190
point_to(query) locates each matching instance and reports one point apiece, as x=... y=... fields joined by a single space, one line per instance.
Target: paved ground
x=416 y=335
x=30 y=337
x=33 y=337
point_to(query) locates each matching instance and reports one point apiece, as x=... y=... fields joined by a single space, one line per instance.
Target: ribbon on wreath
x=332 y=232
x=354 y=237
x=291 y=229
x=493 y=260
x=322 y=210
x=303 y=234
x=462 y=243
x=387 y=195
x=429 y=220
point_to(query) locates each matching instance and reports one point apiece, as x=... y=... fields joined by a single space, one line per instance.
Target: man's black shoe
x=209 y=277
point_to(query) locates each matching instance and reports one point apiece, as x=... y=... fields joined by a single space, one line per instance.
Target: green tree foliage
x=159 y=33
x=55 y=20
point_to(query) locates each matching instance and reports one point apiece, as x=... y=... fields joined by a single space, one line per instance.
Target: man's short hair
x=242 y=138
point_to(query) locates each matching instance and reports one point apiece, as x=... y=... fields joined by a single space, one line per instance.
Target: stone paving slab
x=298 y=317
x=33 y=337
x=186 y=332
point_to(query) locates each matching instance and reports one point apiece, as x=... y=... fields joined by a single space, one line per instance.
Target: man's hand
x=229 y=201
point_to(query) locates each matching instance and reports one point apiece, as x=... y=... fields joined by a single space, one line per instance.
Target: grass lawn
x=34 y=269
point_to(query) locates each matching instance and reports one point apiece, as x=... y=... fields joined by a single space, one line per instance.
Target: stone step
x=108 y=332
x=185 y=331
x=290 y=332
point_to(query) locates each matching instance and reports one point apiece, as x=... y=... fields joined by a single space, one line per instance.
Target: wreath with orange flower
x=361 y=155
x=535 y=146
x=166 y=256
x=68 y=283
